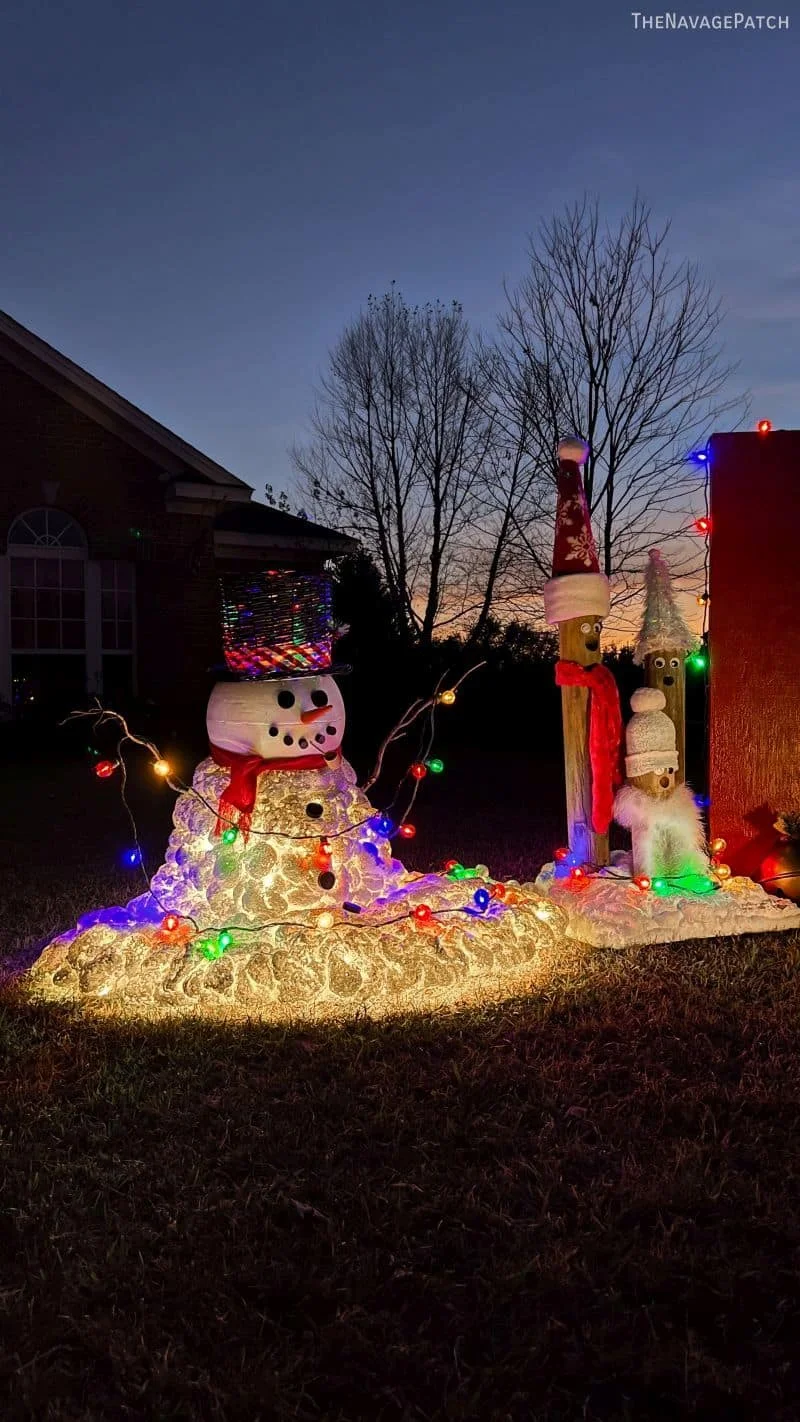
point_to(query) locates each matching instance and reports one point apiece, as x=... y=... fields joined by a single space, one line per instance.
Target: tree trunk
x=586 y=846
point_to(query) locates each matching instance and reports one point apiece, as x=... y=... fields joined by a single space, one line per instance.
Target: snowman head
x=278 y=719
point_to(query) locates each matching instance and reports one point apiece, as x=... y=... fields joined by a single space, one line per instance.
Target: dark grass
x=580 y=1205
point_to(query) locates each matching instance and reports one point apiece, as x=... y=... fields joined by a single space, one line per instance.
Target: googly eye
x=674 y=662
x=586 y=627
x=659 y=662
x=598 y=626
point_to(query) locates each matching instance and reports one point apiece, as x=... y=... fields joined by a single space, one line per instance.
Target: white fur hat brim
x=646 y=761
x=576 y=595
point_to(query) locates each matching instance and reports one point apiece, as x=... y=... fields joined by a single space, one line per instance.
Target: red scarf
x=605 y=735
x=239 y=797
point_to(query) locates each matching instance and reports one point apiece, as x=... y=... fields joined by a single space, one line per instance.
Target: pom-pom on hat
x=577 y=587
x=650 y=734
x=278 y=623
x=663 y=629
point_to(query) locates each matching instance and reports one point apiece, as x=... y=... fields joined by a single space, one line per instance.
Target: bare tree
x=622 y=346
x=402 y=435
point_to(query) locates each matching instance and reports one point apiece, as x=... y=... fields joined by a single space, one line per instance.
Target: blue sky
x=197 y=197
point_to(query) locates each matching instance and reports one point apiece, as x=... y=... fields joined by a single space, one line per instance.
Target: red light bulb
x=498 y=891
x=560 y=855
x=423 y=913
x=170 y=922
x=407 y=831
x=764 y=426
x=702 y=525
x=577 y=873
x=642 y=882
x=104 y=768
x=450 y=864
x=418 y=770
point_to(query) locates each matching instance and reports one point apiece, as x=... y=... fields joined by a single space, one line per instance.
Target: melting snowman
x=278 y=855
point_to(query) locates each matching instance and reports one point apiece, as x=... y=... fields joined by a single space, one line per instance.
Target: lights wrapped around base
x=309 y=914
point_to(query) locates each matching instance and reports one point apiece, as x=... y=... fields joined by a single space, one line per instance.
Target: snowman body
x=311 y=841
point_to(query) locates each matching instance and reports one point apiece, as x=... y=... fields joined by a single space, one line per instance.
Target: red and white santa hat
x=577 y=587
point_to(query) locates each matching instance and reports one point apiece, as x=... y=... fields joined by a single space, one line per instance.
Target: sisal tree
x=623 y=347
x=403 y=434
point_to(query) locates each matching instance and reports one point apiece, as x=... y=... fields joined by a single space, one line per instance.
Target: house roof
x=49 y=367
x=279 y=529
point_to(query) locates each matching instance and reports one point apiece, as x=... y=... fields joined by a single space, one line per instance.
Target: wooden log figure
x=662 y=648
x=577 y=599
x=667 y=840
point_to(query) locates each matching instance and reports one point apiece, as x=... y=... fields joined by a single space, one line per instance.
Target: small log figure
x=662 y=648
x=667 y=839
x=576 y=599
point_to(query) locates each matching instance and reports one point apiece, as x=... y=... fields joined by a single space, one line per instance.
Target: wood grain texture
x=675 y=697
x=588 y=847
x=755 y=639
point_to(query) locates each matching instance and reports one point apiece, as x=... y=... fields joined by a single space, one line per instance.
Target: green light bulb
x=230 y=835
x=224 y=940
x=435 y=766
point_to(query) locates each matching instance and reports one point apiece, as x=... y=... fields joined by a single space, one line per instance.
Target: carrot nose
x=314 y=714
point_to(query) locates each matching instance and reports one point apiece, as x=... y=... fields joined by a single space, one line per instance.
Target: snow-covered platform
x=609 y=910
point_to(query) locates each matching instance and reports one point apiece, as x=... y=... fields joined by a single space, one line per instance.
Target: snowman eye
x=674 y=662
x=586 y=627
x=285 y=699
x=319 y=698
x=659 y=662
x=598 y=626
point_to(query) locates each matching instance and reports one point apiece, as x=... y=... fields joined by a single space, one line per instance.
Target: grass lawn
x=579 y=1205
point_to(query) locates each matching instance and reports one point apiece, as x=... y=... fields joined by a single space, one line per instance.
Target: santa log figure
x=576 y=600
x=662 y=647
x=667 y=838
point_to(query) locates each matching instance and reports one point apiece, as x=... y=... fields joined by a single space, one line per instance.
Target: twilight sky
x=197 y=197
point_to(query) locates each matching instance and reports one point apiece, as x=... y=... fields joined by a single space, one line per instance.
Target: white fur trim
x=666 y=835
x=576 y=595
x=573 y=450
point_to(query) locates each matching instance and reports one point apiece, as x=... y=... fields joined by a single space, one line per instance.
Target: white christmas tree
x=663 y=628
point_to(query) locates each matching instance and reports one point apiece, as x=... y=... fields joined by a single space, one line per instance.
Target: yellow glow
x=161 y=767
x=447 y=698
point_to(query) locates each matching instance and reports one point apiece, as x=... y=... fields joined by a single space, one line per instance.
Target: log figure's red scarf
x=237 y=800
x=605 y=735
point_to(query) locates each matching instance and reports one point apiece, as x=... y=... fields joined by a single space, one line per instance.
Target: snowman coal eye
x=586 y=627
x=285 y=699
x=659 y=662
x=319 y=698
x=674 y=662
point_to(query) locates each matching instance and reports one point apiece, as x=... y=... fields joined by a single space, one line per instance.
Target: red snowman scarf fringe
x=237 y=800
x=605 y=735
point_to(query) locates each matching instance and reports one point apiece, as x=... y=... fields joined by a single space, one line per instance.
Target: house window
x=47 y=562
x=116 y=605
x=47 y=528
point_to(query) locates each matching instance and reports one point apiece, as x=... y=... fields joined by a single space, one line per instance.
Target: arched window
x=47 y=557
x=46 y=528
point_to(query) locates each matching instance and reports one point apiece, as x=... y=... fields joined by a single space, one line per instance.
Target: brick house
x=113 y=534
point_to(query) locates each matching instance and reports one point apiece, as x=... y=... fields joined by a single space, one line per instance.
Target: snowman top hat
x=649 y=735
x=278 y=623
x=577 y=587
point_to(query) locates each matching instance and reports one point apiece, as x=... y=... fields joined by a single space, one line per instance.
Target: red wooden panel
x=755 y=639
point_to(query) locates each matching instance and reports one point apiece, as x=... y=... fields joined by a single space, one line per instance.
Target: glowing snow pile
x=609 y=910
x=294 y=948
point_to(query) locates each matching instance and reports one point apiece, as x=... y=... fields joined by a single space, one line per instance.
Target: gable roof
x=84 y=392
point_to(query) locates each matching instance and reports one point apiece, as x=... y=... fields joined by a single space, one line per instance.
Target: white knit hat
x=650 y=734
